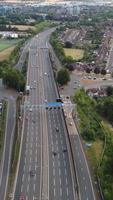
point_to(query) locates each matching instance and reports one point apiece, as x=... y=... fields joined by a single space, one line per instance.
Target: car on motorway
x=57 y=129
x=32 y=173
x=45 y=73
x=54 y=153
x=70 y=123
x=22 y=197
x=45 y=100
x=30 y=109
x=64 y=150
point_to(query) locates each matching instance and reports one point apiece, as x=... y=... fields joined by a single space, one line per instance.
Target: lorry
x=27 y=89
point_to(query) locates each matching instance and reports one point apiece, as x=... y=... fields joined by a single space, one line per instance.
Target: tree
x=68 y=44
x=88 y=70
x=70 y=67
x=96 y=70
x=63 y=76
x=109 y=90
x=103 y=72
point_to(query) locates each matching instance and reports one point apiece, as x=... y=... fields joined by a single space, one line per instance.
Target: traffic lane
x=56 y=123
x=31 y=153
x=59 y=164
x=31 y=76
x=29 y=163
x=83 y=175
x=8 y=146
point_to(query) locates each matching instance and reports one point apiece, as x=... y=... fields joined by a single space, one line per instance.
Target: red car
x=22 y=197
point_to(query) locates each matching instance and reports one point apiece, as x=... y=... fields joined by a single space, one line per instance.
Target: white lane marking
x=58 y=156
x=36 y=159
x=27 y=187
x=59 y=172
x=64 y=163
x=54 y=192
x=60 y=191
x=83 y=178
x=58 y=163
x=66 y=181
x=31 y=145
x=57 y=142
x=53 y=171
x=30 y=159
x=35 y=177
x=34 y=187
x=25 y=160
x=52 y=148
x=28 y=179
x=23 y=178
x=53 y=164
x=65 y=172
x=30 y=151
x=78 y=154
x=54 y=181
x=67 y=191
x=81 y=169
x=36 y=151
x=60 y=181
x=57 y=148
x=21 y=188
x=85 y=187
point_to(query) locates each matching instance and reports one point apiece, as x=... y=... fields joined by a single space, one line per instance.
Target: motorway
x=9 y=133
x=44 y=168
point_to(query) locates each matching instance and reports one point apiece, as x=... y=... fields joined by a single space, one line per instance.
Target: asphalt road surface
x=44 y=171
x=5 y=164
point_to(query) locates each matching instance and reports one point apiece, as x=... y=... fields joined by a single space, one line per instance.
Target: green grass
x=2 y=126
x=94 y=153
x=76 y=54
x=5 y=44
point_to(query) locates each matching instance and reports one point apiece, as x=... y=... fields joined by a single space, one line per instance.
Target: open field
x=23 y=27
x=76 y=54
x=4 y=43
x=4 y=55
x=4 y=46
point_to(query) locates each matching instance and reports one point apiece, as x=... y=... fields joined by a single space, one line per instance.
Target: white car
x=30 y=110
x=70 y=123
x=45 y=73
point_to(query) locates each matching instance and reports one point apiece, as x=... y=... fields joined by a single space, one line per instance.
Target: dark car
x=32 y=173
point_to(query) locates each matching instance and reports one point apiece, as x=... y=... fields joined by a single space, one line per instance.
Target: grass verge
x=3 y=126
x=97 y=132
